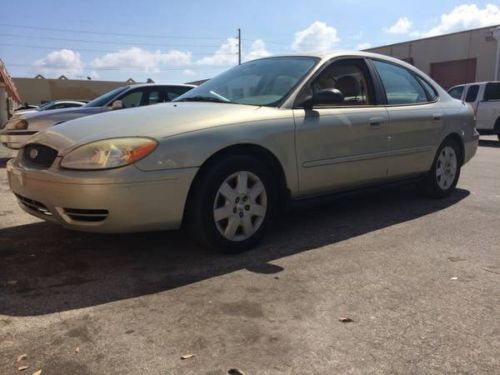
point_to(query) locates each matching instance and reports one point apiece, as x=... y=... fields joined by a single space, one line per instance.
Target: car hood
x=157 y=121
x=61 y=114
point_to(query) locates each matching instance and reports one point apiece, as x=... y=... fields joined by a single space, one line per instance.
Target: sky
x=181 y=41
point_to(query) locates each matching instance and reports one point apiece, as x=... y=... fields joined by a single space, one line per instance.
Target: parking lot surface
x=419 y=278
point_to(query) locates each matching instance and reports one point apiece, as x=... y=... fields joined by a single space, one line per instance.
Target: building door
x=452 y=73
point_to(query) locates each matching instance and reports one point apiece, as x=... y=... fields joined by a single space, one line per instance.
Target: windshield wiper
x=200 y=98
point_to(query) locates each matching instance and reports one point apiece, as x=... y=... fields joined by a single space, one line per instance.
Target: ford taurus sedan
x=222 y=158
x=21 y=127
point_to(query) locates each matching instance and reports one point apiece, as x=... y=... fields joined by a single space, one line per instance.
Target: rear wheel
x=442 y=179
x=231 y=204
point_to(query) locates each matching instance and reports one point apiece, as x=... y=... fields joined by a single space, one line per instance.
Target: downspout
x=496 y=35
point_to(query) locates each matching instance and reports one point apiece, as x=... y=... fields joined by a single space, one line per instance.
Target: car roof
x=326 y=56
x=68 y=101
x=473 y=83
x=134 y=85
x=332 y=54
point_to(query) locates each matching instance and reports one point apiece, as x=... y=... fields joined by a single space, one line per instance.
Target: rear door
x=414 y=118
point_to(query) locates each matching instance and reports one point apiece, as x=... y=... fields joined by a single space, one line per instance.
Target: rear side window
x=492 y=91
x=472 y=93
x=401 y=87
x=153 y=97
x=456 y=92
x=431 y=91
x=173 y=92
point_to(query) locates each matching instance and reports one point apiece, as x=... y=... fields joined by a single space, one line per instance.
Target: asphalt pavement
x=417 y=280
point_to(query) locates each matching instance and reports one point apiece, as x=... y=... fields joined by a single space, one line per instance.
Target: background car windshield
x=104 y=99
x=263 y=82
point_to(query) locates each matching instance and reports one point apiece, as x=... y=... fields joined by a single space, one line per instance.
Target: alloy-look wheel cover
x=240 y=206
x=446 y=167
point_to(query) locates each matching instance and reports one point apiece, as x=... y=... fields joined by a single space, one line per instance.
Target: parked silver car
x=21 y=127
x=54 y=104
x=223 y=157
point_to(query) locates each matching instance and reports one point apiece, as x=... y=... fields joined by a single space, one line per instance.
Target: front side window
x=472 y=93
x=132 y=99
x=350 y=77
x=456 y=92
x=492 y=91
x=401 y=87
x=263 y=82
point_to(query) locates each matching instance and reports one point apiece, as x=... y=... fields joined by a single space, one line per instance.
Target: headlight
x=109 y=153
x=17 y=124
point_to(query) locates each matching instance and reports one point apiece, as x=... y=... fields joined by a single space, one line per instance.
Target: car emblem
x=33 y=153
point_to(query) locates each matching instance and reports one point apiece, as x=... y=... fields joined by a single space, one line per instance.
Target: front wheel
x=442 y=179
x=231 y=204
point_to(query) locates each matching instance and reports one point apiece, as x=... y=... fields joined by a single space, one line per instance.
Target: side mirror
x=324 y=97
x=117 y=104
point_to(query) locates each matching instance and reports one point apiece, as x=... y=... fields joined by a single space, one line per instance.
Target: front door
x=344 y=145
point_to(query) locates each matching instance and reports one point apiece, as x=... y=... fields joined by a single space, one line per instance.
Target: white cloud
x=257 y=50
x=466 y=16
x=227 y=54
x=188 y=72
x=94 y=75
x=141 y=59
x=362 y=46
x=402 y=26
x=317 y=37
x=64 y=61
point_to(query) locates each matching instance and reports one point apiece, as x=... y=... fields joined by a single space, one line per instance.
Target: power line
x=108 y=42
x=128 y=69
x=111 y=33
x=92 y=49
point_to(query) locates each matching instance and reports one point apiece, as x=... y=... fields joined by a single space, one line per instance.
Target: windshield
x=105 y=98
x=264 y=82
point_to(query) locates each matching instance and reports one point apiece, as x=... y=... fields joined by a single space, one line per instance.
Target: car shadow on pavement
x=45 y=268
x=489 y=143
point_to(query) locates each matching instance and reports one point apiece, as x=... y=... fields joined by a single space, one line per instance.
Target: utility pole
x=239 y=46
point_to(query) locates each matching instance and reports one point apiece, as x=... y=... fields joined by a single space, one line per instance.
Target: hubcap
x=446 y=167
x=240 y=206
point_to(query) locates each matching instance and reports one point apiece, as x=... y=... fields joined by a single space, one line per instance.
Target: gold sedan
x=222 y=158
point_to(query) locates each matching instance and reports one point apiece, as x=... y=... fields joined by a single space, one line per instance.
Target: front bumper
x=113 y=201
x=15 y=139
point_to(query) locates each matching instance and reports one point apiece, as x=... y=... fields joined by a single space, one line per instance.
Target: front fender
x=192 y=149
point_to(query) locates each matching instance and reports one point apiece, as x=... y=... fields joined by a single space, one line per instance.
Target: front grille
x=78 y=214
x=34 y=205
x=39 y=155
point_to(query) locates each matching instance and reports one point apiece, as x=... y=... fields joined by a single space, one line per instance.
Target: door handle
x=376 y=121
x=436 y=117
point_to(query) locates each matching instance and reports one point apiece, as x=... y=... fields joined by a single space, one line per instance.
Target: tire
x=231 y=204
x=442 y=179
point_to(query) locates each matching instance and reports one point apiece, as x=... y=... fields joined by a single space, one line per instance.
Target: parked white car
x=484 y=97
